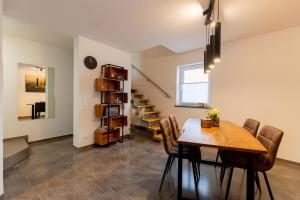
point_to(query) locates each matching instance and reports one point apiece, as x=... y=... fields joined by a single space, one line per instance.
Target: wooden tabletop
x=228 y=136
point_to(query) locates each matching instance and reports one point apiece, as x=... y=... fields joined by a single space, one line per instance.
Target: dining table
x=228 y=136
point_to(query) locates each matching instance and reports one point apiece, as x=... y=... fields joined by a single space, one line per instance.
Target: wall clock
x=90 y=62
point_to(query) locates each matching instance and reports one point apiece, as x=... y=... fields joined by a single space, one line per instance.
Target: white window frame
x=180 y=74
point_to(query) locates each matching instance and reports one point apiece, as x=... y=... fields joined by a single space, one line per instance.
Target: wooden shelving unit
x=110 y=111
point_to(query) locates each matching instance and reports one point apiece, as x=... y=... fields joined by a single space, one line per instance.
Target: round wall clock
x=90 y=62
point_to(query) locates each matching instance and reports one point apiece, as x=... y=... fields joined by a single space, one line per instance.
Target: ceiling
x=135 y=25
x=30 y=32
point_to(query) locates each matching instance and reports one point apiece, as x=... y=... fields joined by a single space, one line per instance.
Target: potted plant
x=213 y=114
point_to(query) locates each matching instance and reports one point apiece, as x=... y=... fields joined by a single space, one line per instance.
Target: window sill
x=193 y=106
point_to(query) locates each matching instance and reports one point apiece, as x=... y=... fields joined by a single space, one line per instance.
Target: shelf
x=113 y=72
x=101 y=84
x=101 y=110
x=102 y=137
x=115 y=122
x=115 y=97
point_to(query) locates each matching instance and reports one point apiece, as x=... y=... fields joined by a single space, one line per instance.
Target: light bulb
x=217 y=60
x=211 y=66
x=213 y=24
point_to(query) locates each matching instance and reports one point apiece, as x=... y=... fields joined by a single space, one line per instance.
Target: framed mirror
x=36 y=98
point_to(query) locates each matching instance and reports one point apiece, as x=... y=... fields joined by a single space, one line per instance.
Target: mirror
x=35 y=92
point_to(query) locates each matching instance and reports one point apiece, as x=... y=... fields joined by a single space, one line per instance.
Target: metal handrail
x=153 y=83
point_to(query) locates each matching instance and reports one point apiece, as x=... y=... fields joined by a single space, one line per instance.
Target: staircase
x=145 y=115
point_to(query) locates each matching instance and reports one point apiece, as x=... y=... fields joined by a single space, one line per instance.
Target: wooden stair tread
x=136 y=94
x=154 y=128
x=139 y=100
x=157 y=137
x=151 y=112
x=152 y=119
x=145 y=106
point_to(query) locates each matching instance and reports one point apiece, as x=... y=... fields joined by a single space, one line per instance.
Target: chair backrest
x=175 y=127
x=270 y=137
x=167 y=134
x=252 y=126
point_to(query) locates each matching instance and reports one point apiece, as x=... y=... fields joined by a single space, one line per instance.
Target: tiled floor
x=128 y=171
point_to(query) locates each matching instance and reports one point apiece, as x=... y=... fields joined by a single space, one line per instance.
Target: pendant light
x=217 y=57
x=212 y=53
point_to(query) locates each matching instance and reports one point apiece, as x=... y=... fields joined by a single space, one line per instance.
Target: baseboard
x=51 y=139
x=288 y=162
x=84 y=148
x=18 y=137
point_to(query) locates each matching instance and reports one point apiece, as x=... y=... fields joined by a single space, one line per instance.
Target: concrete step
x=14 y=151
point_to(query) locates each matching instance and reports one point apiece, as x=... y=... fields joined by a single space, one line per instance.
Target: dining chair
x=251 y=125
x=169 y=146
x=271 y=138
x=175 y=127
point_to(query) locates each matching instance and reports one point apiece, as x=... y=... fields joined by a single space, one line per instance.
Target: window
x=192 y=85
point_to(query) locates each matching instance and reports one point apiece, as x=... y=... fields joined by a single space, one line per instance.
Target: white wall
x=162 y=70
x=85 y=96
x=1 y=104
x=17 y=50
x=25 y=98
x=258 y=77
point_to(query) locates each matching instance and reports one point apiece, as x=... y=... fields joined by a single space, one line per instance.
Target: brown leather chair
x=175 y=127
x=172 y=151
x=251 y=125
x=271 y=138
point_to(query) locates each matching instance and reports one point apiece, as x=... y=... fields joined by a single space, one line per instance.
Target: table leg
x=250 y=177
x=32 y=112
x=179 y=186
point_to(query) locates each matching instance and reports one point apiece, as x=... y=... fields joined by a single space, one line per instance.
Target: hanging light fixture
x=218 y=37
x=212 y=53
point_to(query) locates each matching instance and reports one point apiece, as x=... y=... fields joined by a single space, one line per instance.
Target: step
x=136 y=95
x=133 y=90
x=157 y=137
x=14 y=151
x=145 y=106
x=154 y=128
x=152 y=120
x=139 y=100
x=151 y=112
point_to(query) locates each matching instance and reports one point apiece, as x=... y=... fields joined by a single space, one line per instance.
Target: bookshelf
x=110 y=110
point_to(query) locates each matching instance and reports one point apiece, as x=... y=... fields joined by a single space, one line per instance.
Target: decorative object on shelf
x=90 y=62
x=212 y=52
x=111 y=110
x=213 y=114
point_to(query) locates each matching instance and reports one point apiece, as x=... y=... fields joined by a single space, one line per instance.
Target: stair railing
x=152 y=82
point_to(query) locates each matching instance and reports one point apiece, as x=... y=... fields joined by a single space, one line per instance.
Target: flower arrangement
x=213 y=114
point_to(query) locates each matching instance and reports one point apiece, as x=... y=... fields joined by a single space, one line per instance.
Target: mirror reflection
x=36 y=92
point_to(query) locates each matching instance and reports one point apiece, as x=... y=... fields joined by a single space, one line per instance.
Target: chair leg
x=165 y=172
x=257 y=181
x=171 y=164
x=268 y=185
x=229 y=183
x=223 y=170
x=195 y=179
x=218 y=155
